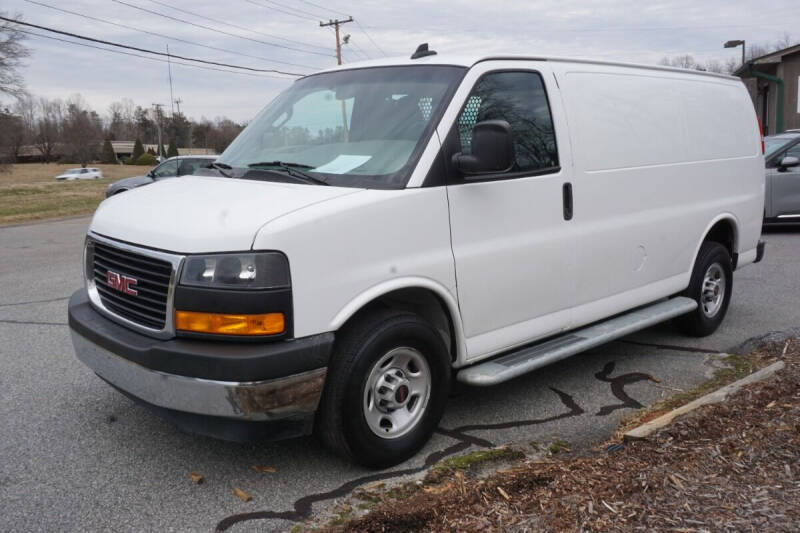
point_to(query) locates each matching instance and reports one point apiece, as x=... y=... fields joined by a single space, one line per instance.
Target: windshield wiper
x=292 y=169
x=220 y=166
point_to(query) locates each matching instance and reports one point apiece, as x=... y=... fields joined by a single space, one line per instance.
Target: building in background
x=774 y=84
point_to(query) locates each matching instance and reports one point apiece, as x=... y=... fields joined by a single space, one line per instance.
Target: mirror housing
x=492 y=150
x=788 y=162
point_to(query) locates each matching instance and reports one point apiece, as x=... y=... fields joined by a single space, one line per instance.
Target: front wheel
x=711 y=286
x=386 y=389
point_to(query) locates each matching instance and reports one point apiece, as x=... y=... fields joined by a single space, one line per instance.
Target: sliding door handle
x=566 y=193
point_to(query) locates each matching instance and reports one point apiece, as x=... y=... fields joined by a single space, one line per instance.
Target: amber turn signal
x=267 y=324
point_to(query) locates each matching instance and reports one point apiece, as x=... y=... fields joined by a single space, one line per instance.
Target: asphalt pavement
x=75 y=455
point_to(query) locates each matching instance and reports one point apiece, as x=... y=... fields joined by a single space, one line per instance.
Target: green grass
x=29 y=191
x=737 y=367
x=464 y=462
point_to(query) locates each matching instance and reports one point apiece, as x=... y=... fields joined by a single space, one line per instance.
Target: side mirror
x=787 y=162
x=492 y=149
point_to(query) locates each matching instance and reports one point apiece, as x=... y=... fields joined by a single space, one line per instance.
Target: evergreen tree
x=172 y=151
x=109 y=156
x=138 y=150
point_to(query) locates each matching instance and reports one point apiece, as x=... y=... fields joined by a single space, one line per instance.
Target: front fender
x=410 y=282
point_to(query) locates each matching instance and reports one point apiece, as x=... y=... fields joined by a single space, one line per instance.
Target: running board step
x=530 y=358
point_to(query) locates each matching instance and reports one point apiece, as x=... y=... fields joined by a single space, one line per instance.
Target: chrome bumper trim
x=274 y=399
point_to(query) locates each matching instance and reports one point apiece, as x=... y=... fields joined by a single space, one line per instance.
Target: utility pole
x=171 y=97
x=178 y=103
x=159 y=114
x=336 y=23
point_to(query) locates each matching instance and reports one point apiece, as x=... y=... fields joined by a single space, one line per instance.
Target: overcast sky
x=285 y=35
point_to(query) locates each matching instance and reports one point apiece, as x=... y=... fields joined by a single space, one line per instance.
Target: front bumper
x=240 y=381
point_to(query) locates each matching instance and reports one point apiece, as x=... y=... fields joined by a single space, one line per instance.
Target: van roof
x=470 y=60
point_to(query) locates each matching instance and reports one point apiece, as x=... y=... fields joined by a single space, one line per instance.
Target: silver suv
x=182 y=165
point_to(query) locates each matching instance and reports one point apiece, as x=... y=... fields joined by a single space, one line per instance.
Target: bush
x=172 y=151
x=146 y=160
x=138 y=150
x=109 y=156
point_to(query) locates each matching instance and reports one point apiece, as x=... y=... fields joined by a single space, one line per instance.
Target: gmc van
x=383 y=228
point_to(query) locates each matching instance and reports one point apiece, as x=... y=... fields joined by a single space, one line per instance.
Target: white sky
x=640 y=31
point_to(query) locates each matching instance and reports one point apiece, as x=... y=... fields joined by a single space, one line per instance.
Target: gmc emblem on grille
x=121 y=283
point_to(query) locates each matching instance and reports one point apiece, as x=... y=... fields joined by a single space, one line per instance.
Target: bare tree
x=82 y=130
x=681 y=61
x=48 y=127
x=12 y=51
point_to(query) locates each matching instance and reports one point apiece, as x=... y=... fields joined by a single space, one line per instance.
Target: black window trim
x=451 y=140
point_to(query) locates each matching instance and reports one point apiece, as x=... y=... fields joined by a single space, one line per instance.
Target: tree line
x=70 y=131
x=730 y=65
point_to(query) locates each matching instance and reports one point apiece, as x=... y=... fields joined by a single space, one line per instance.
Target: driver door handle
x=566 y=194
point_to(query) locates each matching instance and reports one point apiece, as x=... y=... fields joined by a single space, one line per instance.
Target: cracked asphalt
x=75 y=455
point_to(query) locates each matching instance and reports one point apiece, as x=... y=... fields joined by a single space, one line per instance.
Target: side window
x=794 y=151
x=186 y=166
x=520 y=99
x=167 y=169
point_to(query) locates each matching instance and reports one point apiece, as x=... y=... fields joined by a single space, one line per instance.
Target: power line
x=370 y=38
x=148 y=57
x=358 y=48
x=104 y=21
x=218 y=30
x=279 y=10
x=225 y=23
x=145 y=50
x=325 y=8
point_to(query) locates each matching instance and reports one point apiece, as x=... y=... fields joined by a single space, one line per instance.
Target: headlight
x=266 y=270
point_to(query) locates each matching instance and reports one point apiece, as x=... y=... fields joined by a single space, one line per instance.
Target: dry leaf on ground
x=196 y=478
x=242 y=495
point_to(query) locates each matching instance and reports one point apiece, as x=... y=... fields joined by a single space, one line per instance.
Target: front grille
x=149 y=306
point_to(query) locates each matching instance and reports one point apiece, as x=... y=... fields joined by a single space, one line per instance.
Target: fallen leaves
x=264 y=469
x=503 y=493
x=196 y=478
x=242 y=495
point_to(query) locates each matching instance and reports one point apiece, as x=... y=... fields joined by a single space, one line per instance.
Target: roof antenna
x=422 y=51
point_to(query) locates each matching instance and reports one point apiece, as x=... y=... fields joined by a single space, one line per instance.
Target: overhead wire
x=177 y=39
x=217 y=30
x=152 y=58
x=370 y=37
x=279 y=10
x=230 y=24
x=145 y=50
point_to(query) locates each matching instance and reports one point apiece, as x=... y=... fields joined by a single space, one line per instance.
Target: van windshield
x=359 y=128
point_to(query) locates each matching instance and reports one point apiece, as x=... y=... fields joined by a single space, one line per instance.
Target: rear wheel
x=710 y=286
x=386 y=389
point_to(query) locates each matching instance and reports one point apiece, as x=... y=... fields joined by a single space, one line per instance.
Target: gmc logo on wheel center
x=124 y=284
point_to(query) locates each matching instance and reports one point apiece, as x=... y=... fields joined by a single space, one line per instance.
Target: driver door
x=512 y=241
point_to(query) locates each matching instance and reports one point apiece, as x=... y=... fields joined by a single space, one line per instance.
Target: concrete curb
x=646 y=429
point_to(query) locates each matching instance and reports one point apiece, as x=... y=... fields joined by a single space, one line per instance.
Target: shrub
x=172 y=151
x=138 y=150
x=109 y=156
x=146 y=160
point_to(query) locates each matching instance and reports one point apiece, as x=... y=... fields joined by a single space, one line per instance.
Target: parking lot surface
x=75 y=455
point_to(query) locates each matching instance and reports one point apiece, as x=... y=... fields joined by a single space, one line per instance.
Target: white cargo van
x=383 y=228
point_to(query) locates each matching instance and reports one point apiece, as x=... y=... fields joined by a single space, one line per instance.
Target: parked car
x=782 y=192
x=181 y=165
x=80 y=174
x=380 y=229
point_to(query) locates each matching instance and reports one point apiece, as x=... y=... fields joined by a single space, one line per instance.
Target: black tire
x=341 y=421
x=706 y=318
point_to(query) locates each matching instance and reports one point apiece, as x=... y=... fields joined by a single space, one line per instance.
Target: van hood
x=200 y=214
